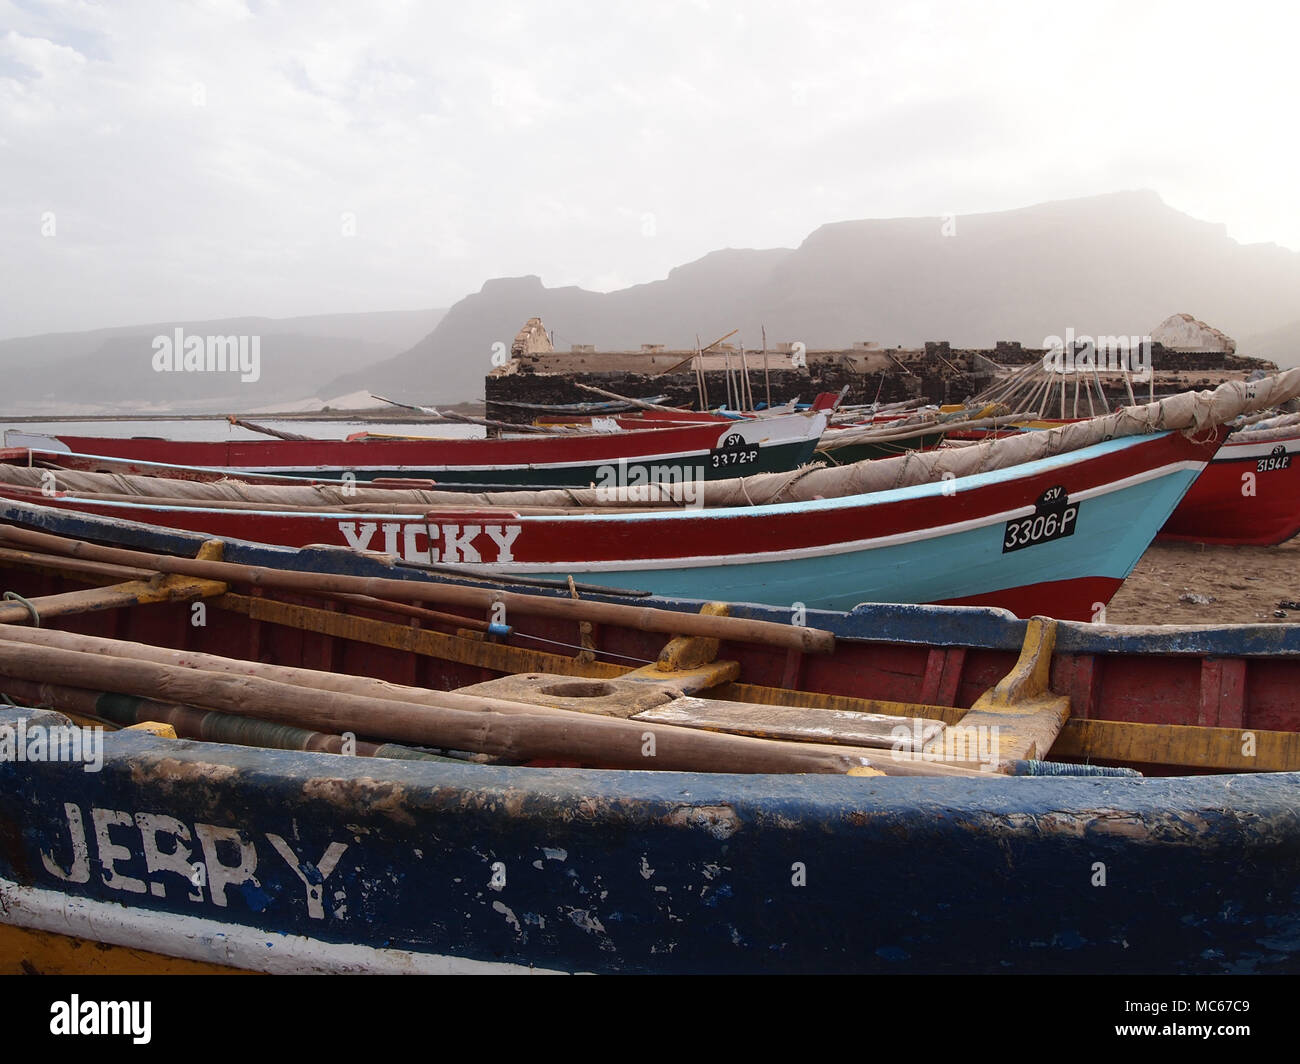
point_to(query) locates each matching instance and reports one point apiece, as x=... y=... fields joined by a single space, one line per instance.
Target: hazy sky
x=168 y=160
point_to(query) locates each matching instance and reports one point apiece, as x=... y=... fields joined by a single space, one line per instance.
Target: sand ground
x=1246 y=585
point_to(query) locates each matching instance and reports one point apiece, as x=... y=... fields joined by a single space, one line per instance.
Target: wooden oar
x=279 y=434
x=645 y=618
x=527 y=735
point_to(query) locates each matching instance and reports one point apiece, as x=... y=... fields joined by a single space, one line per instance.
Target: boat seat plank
x=837 y=726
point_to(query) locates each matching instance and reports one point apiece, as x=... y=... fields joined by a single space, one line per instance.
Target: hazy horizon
x=274 y=160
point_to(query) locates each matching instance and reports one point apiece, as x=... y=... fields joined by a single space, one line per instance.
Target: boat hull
x=969 y=541
x=315 y=862
x=1237 y=679
x=696 y=452
x=1249 y=495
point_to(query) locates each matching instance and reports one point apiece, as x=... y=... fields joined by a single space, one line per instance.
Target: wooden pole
x=203 y=725
x=1128 y=386
x=628 y=399
x=526 y=735
x=745 y=386
x=448 y=719
x=704 y=383
x=767 y=380
x=277 y=433
x=645 y=618
x=698 y=350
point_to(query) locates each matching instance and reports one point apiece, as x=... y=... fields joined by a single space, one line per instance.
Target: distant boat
x=1044 y=522
x=1250 y=492
x=696 y=452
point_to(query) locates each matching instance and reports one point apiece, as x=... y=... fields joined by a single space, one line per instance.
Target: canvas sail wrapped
x=1190 y=412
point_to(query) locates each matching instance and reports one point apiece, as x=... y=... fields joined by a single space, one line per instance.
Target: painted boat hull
x=446 y=868
x=701 y=452
x=950 y=542
x=1249 y=495
x=1233 y=677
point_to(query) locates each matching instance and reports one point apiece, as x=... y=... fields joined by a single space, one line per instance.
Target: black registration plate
x=1054 y=517
x=733 y=452
x=1276 y=459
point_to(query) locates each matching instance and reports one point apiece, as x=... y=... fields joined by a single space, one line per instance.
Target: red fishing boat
x=1249 y=494
x=692 y=451
x=1045 y=522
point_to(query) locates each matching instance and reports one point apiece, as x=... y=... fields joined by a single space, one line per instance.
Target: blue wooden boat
x=316 y=862
x=185 y=855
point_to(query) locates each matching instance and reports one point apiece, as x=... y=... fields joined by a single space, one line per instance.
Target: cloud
x=274 y=158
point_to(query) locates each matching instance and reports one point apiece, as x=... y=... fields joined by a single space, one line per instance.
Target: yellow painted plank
x=838 y=726
x=24 y=951
x=778 y=696
x=1220 y=749
x=422 y=641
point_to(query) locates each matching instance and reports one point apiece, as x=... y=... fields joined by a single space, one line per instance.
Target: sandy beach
x=1245 y=584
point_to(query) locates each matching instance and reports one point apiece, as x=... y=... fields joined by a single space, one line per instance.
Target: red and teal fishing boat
x=1044 y=522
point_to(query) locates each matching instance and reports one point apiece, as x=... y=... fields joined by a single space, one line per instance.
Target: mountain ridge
x=1110 y=264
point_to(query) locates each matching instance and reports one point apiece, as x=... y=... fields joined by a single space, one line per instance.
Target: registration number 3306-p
x=1054 y=517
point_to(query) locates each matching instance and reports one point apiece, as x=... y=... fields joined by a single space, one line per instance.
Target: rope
x=1061 y=768
x=13 y=596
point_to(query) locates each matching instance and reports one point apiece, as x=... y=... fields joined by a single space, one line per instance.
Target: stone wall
x=936 y=373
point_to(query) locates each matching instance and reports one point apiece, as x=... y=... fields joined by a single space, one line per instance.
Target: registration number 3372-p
x=1054 y=517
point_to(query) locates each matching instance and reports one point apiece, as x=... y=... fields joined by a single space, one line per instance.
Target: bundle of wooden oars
x=117 y=679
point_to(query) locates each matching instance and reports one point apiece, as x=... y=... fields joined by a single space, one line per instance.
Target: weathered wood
x=266 y=430
x=943 y=669
x=1217 y=749
x=1222 y=701
x=91 y=600
x=1020 y=716
x=500 y=657
x=1183 y=745
x=61 y=566
x=628 y=399
x=688 y=680
x=490 y=726
x=405 y=609
x=190 y=722
x=780 y=696
x=446 y=719
x=365 y=686
x=738 y=629
x=841 y=727
x=688 y=652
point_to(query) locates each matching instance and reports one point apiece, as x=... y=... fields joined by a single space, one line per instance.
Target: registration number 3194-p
x=1054 y=517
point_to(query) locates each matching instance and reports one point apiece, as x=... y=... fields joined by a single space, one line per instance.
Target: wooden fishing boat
x=1250 y=491
x=1227 y=676
x=1248 y=494
x=1049 y=522
x=696 y=452
x=1054 y=535
x=440 y=833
